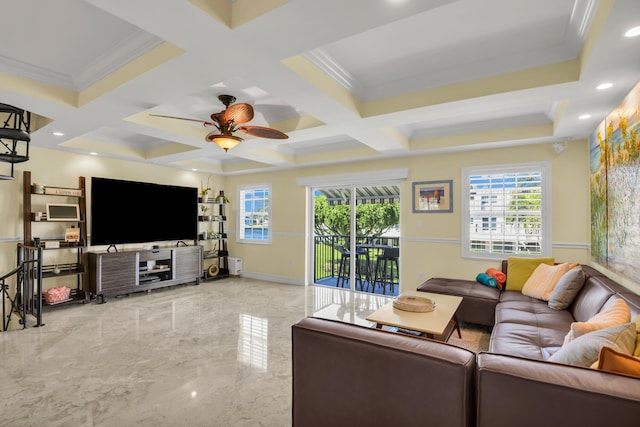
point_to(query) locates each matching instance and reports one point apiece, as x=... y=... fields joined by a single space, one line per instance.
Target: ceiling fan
x=227 y=122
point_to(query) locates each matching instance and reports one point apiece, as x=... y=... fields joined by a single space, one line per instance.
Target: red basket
x=54 y=295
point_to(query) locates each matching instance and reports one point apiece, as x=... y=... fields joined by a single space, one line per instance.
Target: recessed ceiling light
x=58 y=133
x=633 y=32
x=194 y=169
x=584 y=116
x=603 y=86
x=93 y=153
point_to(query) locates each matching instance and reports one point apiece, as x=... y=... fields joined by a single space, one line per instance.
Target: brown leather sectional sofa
x=479 y=301
x=348 y=375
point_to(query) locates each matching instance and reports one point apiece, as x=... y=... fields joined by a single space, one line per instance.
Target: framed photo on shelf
x=433 y=196
x=72 y=234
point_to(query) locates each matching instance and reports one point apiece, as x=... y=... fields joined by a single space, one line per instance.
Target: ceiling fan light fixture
x=239 y=113
x=227 y=121
x=226 y=142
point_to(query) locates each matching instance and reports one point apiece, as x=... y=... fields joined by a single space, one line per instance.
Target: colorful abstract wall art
x=615 y=189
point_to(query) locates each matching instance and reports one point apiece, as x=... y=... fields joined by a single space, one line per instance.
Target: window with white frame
x=254 y=213
x=506 y=210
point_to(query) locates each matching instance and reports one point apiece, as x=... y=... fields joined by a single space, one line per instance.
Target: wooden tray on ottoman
x=417 y=304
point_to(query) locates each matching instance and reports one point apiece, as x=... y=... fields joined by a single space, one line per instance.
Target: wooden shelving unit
x=76 y=267
x=215 y=244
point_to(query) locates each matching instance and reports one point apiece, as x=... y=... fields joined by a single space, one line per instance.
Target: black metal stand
x=6 y=296
x=27 y=298
x=29 y=288
x=14 y=135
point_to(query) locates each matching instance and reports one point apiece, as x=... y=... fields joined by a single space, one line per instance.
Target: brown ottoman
x=478 y=301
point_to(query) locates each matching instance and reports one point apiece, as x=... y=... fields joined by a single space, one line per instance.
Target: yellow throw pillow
x=614 y=361
x=519 y=269
x=616 y=314
x=543 y=279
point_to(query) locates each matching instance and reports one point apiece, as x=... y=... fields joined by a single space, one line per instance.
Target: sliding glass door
x=368 y=262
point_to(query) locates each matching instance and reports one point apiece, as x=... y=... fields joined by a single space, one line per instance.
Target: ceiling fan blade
x=263 y=132
x=206 y=123
x=239 y=113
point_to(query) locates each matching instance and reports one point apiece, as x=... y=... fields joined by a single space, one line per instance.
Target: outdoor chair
x=343 y=270
x=387 y=270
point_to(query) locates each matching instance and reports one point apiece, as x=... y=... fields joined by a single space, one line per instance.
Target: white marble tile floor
x=216 y=354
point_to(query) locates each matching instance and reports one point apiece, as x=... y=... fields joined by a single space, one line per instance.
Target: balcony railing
x=328 y=256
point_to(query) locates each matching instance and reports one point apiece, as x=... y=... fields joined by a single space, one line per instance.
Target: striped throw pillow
x=616 y=314
x=543 y=279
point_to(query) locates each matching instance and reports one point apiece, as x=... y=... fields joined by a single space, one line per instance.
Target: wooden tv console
x=126 y=272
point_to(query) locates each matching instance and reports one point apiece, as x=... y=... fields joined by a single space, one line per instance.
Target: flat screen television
x=141 y=212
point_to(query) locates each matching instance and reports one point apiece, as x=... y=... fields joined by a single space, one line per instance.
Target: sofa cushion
x=566 y=289
x=459 y=287
x=521 y=268
x=615 y=313
x=612 y=360
x=585 y=349
x=543 y=280
x=523 y=340
x=590 y=300
x=521 y=309
x=478 y=301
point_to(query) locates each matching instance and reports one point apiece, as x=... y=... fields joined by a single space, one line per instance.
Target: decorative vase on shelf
x=204 y=209
x=37 y=188
x=204 y=190
x=203 y=195
x=221 y=198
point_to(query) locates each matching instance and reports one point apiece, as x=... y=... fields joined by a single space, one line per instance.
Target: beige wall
x=430 y=242
x=61 y=169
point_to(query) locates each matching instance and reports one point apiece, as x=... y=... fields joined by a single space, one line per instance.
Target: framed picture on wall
x=433 y=196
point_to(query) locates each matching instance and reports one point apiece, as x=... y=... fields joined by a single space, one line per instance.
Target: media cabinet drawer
x=157 y=254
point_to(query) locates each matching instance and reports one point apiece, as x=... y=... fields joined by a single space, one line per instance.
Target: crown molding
x=36 y=73
x=119 y=55
x=139 y=43
x=334 y=70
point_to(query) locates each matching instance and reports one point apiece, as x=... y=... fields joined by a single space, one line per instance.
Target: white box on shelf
x=235 y=266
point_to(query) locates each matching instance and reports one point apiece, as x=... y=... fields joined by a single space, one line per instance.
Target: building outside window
x=506 y=210
x=254 y=213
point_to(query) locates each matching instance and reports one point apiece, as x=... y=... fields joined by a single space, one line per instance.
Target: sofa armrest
x=514 y=391
x=349 y=375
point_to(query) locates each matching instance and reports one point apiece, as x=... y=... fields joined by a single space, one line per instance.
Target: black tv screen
x=139 y=212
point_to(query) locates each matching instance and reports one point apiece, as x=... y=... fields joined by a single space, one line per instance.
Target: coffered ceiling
x=346 y=80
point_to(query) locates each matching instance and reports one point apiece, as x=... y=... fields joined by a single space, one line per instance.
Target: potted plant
x=204 y=191
x=204 y=209
x=221 y=198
